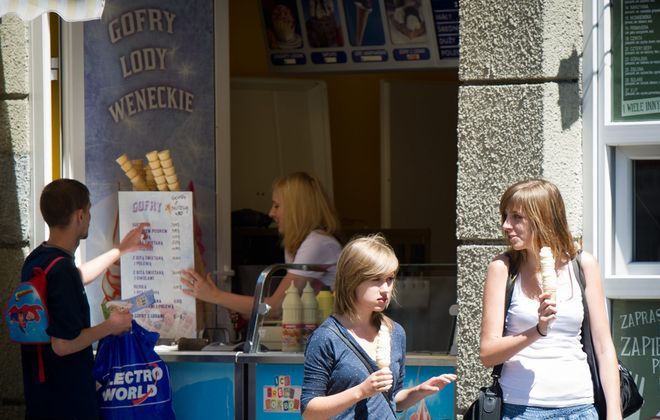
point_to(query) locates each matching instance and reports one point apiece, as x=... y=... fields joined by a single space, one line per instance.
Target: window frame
x=609 y=149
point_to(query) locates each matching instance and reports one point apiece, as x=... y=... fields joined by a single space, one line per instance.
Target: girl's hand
x=379 y=381
x=435 y=384
x=197 y=286
x=547 y=312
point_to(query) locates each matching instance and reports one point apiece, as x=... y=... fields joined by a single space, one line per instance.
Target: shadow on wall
x=10 y=225
x=11 y=245
x=569 y=95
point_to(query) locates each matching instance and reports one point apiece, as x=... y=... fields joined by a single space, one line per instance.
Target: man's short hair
x=60 y=199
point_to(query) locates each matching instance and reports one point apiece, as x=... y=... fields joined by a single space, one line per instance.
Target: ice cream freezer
x=268 y=385
x=274 y=385
x=205 y=384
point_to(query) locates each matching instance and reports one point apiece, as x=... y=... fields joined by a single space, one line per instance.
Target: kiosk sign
x=636 y=335
x=635 y=60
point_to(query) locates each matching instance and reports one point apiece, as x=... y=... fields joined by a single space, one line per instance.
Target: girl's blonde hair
x=542 y=204
x=306 y=208
x=362 y=259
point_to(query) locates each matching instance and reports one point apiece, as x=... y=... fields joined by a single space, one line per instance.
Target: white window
x=621 y=111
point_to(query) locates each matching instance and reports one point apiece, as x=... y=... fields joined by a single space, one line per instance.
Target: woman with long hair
x=545 y=373
x=336 y=382
x=307 y=223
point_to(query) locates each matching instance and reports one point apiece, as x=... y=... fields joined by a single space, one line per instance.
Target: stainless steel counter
x=276 y=357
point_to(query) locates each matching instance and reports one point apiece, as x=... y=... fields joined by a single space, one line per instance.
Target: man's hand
x=136 y=239
x=119 y=321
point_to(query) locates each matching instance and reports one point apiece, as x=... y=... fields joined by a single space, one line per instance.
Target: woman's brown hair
x=541 y=202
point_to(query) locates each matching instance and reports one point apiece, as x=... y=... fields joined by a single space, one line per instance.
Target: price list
x=636 y=60
x=170 y=233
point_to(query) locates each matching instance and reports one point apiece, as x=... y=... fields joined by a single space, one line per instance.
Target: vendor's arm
x=408 y=397
x=117 y=323
x=204 y=288
x=133 y=241
x=324 y=407
x=600 y=332
x=494 y=348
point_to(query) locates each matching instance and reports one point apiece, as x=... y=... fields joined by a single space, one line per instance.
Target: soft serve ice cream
x=383 y=347
x=548 y=273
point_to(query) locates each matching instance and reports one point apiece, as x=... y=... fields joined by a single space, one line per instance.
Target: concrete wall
x=519 y=117
x=15 y=193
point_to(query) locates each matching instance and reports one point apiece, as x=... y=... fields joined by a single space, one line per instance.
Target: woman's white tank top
x=552 y=371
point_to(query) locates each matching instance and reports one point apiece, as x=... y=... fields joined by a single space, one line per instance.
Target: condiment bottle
x=291 y=320
x=326 y=302
x=310 y=313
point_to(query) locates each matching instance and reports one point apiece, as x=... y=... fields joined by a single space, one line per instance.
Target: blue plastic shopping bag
x=135 y=382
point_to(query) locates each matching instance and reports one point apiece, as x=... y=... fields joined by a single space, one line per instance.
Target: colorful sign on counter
x=170 y=215
x=282 y=396
x=348 y=35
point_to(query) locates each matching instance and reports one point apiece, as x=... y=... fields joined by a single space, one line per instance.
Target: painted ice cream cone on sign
x=363 y=9
x=134 y=174
x=169 y=173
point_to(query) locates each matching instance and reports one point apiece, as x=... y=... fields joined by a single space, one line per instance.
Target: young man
x=69 y=391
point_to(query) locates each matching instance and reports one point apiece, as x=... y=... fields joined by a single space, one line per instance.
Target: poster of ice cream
x=406 y=21
x=149 y=76
x=363 y=20
x=170 y=232
x=323 y=24
x=282 y=24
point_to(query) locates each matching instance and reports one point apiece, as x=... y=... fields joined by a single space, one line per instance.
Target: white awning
x=69 y=10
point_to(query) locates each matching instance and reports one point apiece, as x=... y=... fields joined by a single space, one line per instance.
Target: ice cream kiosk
x=155 y=103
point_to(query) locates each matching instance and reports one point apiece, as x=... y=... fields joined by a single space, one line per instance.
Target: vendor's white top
x=552 y=371
x=317 y=248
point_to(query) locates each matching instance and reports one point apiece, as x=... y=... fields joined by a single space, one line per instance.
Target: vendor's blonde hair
x=306 y=208
x=362 y=259
x=543 y=205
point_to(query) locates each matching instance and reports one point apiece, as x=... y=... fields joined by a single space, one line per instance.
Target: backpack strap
x=52 y=263
x=40 y=348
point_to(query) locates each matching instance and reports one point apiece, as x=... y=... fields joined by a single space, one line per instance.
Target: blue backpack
x=26 y=314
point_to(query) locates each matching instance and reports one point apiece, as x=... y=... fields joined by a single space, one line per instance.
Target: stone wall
x=519 y=117
x=15 y=193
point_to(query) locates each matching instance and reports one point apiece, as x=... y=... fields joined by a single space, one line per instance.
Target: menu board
x=636 y=335
x=170 y=215
x=635 y=60
x=349 y=35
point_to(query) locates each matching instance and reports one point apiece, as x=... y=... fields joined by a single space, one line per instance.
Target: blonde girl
x=307 y=222
x=336 y=382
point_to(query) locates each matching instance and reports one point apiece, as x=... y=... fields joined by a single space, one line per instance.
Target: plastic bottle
x=326 y=303
x=310 y=313
x=292 y=314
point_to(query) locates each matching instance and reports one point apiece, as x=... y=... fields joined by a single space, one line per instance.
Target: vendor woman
x=307 y=222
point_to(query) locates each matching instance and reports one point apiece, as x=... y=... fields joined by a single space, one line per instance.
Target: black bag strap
x=359 y=355
x=497 y=370
x=587 y=339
